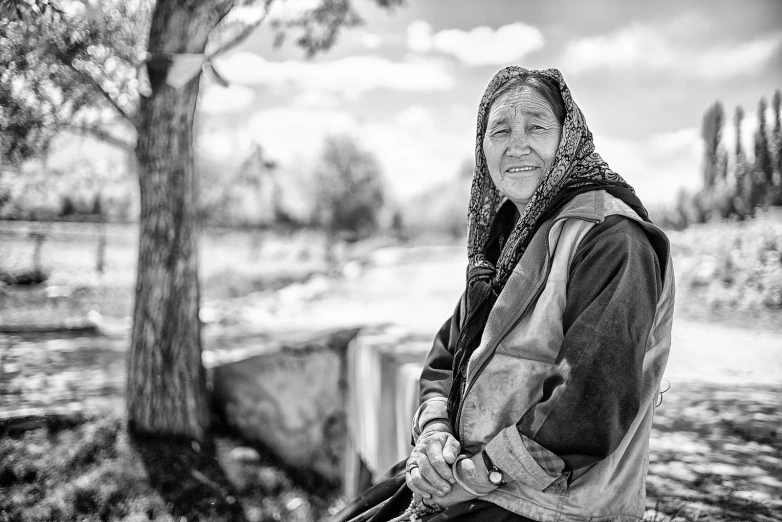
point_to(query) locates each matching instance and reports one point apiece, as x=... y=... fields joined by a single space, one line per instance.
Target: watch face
x=495 y=477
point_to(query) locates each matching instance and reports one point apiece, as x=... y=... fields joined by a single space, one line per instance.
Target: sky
x=406 y=84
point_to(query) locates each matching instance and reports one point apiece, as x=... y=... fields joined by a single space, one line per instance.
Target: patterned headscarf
x=577 y=168
x=576 y=164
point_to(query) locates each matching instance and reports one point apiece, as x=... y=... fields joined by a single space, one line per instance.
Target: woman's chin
x=521 y=203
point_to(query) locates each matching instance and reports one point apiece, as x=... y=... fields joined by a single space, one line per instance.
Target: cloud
x=314 y=99
x=216 y=145
x=411 y=161
x=350 y=76
x=484 y=46
x=419 y=36
x=628 y=47
x=653 y=49
x=370 y=40
x=415 y=116
x=357 y=39
x=672 y=142
x=657 y=166
x=415 y=161
x=660 y=165
x=737 y=60
x=291 y=10
x=480 y=45
x=413 y=153
x=219 y=100
x=416 y=154
x=295 y=134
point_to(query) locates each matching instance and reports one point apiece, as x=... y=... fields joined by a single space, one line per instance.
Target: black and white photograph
x=390 y=261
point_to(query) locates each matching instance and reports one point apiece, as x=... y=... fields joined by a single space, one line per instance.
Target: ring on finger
x=411 y=467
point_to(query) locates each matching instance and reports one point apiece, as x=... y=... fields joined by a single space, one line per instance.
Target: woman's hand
x=457 y=495
x=470 y=471
x=429 y=466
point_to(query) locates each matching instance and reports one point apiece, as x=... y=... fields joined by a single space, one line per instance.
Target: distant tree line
x=733 y=184
x=345 y=197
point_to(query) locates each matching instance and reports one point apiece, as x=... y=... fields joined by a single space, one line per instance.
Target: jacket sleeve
x=437 y=374
x=592 y=394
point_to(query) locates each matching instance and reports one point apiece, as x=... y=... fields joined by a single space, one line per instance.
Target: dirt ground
x=715 y=449
x=717 y=442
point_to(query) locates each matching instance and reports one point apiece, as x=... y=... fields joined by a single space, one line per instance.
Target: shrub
x=732 y=266
x=351 y=194
x=25 y=277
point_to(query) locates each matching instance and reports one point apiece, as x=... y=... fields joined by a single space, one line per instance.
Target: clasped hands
x=428 y=471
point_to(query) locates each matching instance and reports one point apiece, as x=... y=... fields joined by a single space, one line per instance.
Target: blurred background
x=323 y=191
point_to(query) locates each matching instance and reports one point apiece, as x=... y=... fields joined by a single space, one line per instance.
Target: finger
x=432 y=503
x=419 y=485
x=430 y=474
x=451 y=449
x=467 y=469
x=437 y=460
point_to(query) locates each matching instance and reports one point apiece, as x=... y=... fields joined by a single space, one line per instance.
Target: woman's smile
x=513 y=170
x=520 y=143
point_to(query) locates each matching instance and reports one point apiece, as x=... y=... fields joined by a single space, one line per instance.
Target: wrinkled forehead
x=521 y=100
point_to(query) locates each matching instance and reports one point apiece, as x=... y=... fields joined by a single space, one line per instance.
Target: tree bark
x=166 y=391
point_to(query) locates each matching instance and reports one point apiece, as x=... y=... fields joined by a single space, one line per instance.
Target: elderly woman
x=538 y=395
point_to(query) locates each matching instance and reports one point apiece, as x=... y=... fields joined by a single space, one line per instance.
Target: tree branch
x=239 y=38
x=95 y=85
x=101 y=135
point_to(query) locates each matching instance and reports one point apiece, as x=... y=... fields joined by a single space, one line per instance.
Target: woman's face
x=521 y=141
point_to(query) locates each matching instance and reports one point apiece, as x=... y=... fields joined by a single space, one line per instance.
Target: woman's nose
x=519 y=144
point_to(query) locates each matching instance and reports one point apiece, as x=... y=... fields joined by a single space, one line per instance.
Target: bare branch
x=240 y=37
x=95 y=85
x=101 y=135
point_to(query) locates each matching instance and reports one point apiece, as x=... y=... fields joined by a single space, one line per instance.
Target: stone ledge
x=290 y=399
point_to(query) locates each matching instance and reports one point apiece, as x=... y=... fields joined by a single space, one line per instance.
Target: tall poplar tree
x=711 y=133
x=744 y=202
x=763 y=171
x=776 y=149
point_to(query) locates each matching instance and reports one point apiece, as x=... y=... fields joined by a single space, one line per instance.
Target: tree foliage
x=71 y=66
x=763 y=166
x=70 y=71
x=734 y=184
x=775 y=149
x=350 y=195
x=711 y=132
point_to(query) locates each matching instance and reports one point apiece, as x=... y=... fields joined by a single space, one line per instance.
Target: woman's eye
x=499 y=132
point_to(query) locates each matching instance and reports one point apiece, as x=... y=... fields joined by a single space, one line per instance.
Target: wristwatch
x=494 y=473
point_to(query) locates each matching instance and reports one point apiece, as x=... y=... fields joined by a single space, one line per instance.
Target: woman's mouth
x=520 y=169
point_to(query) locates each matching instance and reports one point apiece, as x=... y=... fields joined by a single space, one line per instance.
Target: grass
x=731 y=272
x=92 y=469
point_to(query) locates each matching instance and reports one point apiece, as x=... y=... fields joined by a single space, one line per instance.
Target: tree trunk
x=166 y=391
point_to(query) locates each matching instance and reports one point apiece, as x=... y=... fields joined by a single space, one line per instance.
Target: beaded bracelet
x=459 y=481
